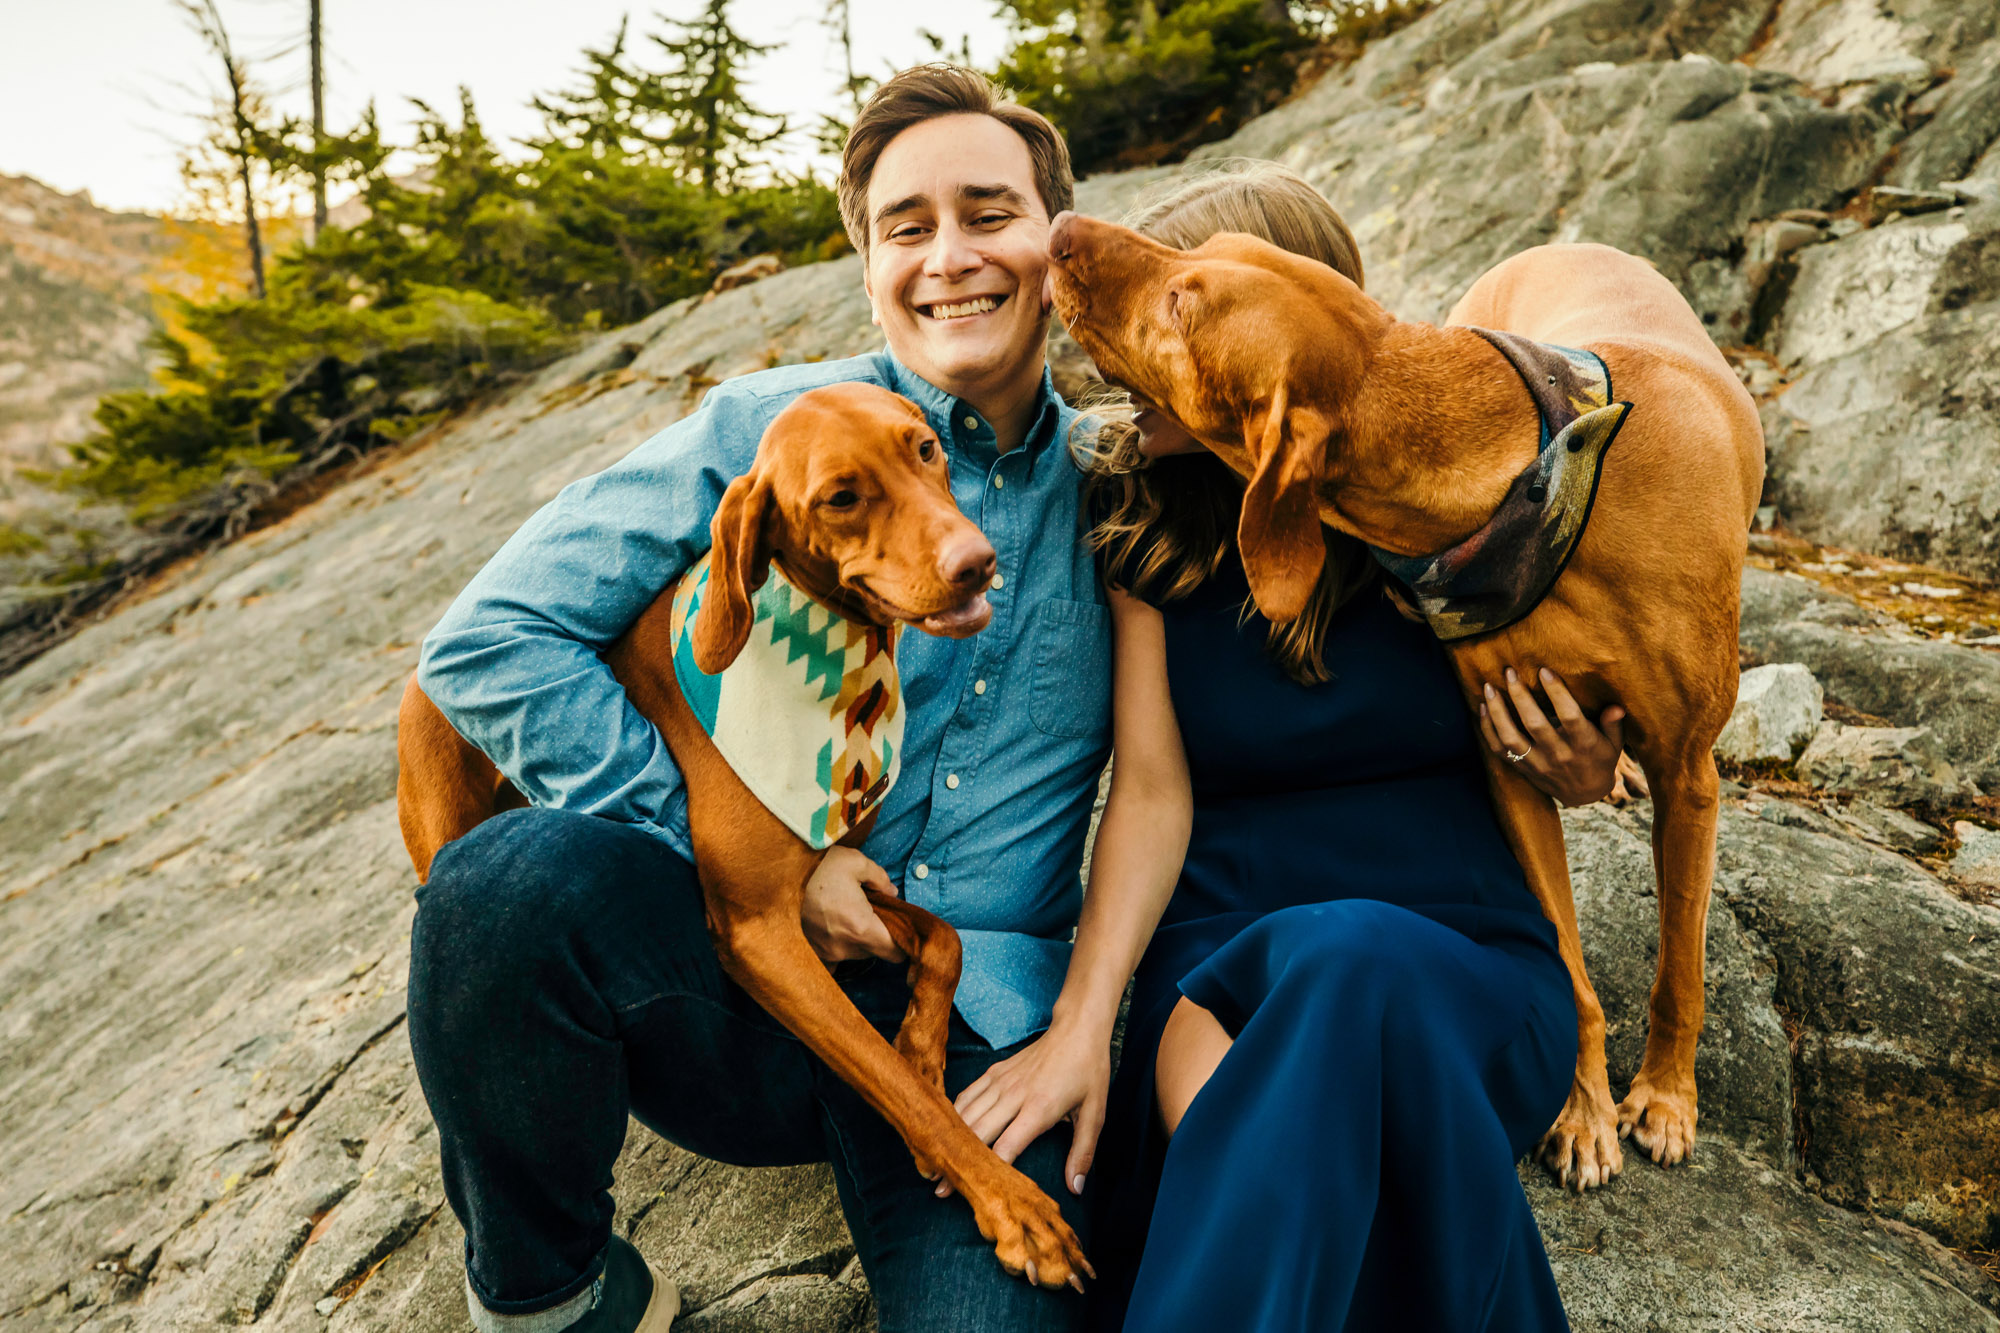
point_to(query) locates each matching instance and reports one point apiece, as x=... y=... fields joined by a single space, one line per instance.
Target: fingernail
x=1511 y=678
x=939 y=1191
x=1547 y=674
x=1488 y=688
x=1076 y=1183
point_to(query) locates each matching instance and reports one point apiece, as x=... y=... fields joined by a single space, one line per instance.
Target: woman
x=1352 y=1019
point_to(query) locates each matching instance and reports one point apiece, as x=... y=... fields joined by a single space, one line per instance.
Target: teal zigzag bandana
x=809 y=715
x=1501 y=572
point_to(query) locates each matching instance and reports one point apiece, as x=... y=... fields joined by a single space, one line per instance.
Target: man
x=561 y=973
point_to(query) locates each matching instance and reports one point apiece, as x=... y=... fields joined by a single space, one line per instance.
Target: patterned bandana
x=810 y=713
x=1501 y=572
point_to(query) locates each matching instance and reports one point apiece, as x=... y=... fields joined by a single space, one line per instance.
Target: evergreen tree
x=713 y=130
x=1134 y=82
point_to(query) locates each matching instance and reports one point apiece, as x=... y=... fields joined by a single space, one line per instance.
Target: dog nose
x=968 y=563
x=1062 y=235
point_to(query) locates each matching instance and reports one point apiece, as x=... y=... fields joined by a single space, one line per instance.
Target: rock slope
x=204 y=904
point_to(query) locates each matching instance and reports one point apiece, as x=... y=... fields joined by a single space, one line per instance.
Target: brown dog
x=850 y=498
x=1410 y=437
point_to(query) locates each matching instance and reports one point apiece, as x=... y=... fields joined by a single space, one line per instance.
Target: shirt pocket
x=1071 y=695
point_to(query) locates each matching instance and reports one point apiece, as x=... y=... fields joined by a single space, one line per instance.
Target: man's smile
x=964 y=308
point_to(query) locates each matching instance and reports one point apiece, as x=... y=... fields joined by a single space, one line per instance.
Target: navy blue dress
x=1404 y=1028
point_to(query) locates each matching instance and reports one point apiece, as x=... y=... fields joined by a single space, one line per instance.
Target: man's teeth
x=978 y=305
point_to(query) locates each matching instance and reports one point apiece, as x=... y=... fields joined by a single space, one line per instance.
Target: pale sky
x=93 y=92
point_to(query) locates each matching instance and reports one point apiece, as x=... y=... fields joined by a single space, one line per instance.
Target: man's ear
x=1279 y=533
x=738 y=564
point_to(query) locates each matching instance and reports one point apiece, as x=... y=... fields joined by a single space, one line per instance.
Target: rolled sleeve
x=515 y=664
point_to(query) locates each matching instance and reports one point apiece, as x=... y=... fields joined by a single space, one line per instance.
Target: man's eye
x=909 y=232
x=991 y=219
x=842 y=499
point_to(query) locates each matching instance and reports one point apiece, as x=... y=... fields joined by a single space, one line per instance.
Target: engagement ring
x=1513 y=758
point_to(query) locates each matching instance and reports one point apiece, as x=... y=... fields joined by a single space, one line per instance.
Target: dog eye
x=842 y=499
x=927 y=450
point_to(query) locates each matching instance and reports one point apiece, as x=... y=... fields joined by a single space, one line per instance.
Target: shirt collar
x=938 y=405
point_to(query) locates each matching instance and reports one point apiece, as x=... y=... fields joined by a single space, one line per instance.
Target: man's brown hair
x=925 y=92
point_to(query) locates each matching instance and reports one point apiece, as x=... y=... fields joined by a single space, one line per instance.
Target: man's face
x=957 y=252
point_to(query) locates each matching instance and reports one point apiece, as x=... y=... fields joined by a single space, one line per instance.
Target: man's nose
x=951 y=252
x=967 y=563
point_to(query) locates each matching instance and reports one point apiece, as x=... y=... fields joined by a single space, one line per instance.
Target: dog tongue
x=968 y=617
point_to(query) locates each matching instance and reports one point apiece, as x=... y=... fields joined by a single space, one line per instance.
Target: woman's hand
x=839 y=921
x=1572 y=759
x=1063 y=1075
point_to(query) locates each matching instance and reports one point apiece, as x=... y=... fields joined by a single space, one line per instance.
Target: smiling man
x=561 y=972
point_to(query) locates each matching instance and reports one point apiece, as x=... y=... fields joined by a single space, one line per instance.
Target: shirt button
x=998 y=583
x=923 y=871
x=979 y=687
x=972 y=423
x=951 y=781
x=999 y=483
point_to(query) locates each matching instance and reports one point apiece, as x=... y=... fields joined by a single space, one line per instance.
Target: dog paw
x=1581 y=1149
x=1030 y=1237
x=1659 y=1121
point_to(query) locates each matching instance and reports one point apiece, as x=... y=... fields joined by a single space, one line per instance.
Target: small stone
x=1777 y=710
x=326 y=1307
x=1978 y=858
x=1812 y=215
x=1900 y=765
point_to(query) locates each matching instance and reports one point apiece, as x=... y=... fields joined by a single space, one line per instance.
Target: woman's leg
x=1350 y=1160
x=1191 y=1046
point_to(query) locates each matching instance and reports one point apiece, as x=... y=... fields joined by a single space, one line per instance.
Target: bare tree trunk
x=319 y=121
x=207 y=21
x=839 y=15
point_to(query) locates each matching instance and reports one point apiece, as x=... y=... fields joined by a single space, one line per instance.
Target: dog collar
x=1501 y=572
x=809 y=715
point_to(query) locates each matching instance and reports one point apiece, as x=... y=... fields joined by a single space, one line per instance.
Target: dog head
x=1251 y=347
x=850 y=494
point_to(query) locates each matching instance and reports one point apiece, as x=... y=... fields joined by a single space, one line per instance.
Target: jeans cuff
x=552 y=1320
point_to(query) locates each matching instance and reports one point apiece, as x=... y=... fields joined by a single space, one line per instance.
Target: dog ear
x=739 y=563
x=1279 y=533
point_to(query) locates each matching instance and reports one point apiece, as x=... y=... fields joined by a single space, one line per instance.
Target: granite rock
x=1872 y=662
x=1901 y=765
x=1777 y=710
x=204 y=905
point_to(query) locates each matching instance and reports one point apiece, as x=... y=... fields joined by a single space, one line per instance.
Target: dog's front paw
x=1029 y=1235
x=1581 y=1149
x=1659 y=1120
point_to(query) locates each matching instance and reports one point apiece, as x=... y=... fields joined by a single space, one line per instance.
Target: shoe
x=637 y=1297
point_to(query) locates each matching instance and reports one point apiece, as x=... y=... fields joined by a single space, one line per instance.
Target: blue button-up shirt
x=1006 y=731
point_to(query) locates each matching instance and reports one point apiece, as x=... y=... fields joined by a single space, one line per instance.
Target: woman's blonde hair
x=1165 y=525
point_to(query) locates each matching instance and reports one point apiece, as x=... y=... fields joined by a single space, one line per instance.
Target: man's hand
x=839 y=921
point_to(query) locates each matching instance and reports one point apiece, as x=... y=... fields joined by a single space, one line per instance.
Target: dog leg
x=933 y=951
x=1581 y=1148
x=767 y=954
x=1660 y=1110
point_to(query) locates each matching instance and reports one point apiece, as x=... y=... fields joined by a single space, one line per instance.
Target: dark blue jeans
x=561 y=976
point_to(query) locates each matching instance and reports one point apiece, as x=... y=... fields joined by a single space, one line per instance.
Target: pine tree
x=713 y=129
